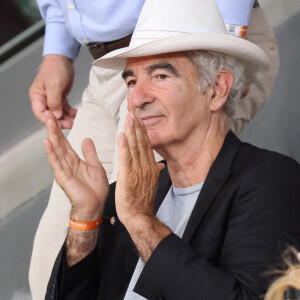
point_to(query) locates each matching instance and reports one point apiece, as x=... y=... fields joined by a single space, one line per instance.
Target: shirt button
x=85 y=41
x=71 y=6
x=272 y=45
x=159 y=297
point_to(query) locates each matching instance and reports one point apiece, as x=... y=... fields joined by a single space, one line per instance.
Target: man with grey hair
x=210 y=219
x=101 y=116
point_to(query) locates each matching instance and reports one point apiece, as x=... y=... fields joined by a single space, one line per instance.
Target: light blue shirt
x=236 y=12
x=71 y=23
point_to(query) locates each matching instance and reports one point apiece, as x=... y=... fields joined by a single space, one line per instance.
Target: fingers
x=89 y=153
x=52 y=126
x=69 y=114
x=39 y=107
x=130 y=132
x=138 y=143
x=54 y=91
x=72 y=112
x=46 y=93
x=60 y=143
x=38 y=100
x=66 y=122
x=54 y=100
x=125 y=159
x=67 y=119
x=144 y=143
x=53 y=160
x=50 y=88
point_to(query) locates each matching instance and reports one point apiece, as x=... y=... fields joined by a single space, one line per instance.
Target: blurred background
x=25 y=177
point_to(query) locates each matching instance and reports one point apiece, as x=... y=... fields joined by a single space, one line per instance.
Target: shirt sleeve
x=58 y=40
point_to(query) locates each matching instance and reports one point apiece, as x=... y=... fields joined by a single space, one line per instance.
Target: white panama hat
x=166 y=26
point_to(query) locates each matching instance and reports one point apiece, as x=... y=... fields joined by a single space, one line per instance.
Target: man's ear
x=221 y=90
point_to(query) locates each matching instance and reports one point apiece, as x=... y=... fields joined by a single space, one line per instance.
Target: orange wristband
x=85 y=225
x=91 y=224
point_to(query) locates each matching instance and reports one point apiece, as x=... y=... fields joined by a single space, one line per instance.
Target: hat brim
x=255 y=60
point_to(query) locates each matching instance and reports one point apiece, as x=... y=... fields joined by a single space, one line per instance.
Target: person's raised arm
x=136 y=188
x=85 y=184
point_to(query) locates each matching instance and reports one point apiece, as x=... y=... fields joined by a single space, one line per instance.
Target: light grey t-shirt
x=174 y=212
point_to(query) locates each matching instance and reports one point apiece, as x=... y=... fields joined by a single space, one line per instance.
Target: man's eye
x=161 y=76
x=131 y=82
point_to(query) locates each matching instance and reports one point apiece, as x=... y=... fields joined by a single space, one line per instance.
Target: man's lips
x=151 y=119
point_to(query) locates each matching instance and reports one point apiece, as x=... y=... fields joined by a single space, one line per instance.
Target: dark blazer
x=247 y=212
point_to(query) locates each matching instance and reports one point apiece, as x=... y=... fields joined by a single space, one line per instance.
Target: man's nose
x=139 y=96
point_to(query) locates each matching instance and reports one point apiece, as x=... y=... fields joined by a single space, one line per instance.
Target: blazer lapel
x=217 y=176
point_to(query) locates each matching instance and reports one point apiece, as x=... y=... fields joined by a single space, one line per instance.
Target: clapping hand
x=84 y=182
x=138 y=172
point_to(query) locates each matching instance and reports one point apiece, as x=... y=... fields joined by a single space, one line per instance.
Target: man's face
x=163 y=92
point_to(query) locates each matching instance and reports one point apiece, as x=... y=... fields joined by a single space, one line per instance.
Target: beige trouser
x=100 y=117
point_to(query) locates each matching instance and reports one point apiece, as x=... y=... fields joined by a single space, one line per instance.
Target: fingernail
x=132 y=115
x=57 y=114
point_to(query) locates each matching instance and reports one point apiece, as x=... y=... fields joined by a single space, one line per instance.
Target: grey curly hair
x=209 y=64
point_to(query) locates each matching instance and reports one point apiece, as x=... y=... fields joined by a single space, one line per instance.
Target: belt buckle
x=94 y=45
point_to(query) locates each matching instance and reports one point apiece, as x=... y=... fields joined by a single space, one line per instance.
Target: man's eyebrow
x=126 y=74
x=166 y=66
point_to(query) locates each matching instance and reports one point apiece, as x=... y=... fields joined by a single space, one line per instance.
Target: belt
x=98 y=49
x=256 y=3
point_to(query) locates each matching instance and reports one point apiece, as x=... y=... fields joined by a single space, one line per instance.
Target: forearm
x=80 y=243
x=147 y=232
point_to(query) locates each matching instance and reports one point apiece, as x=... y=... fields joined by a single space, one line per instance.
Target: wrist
x=82 y=216
x=137 y=221
x=57 y=57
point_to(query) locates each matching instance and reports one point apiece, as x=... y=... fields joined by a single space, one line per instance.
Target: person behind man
x=102 y=112
x=208 y=224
